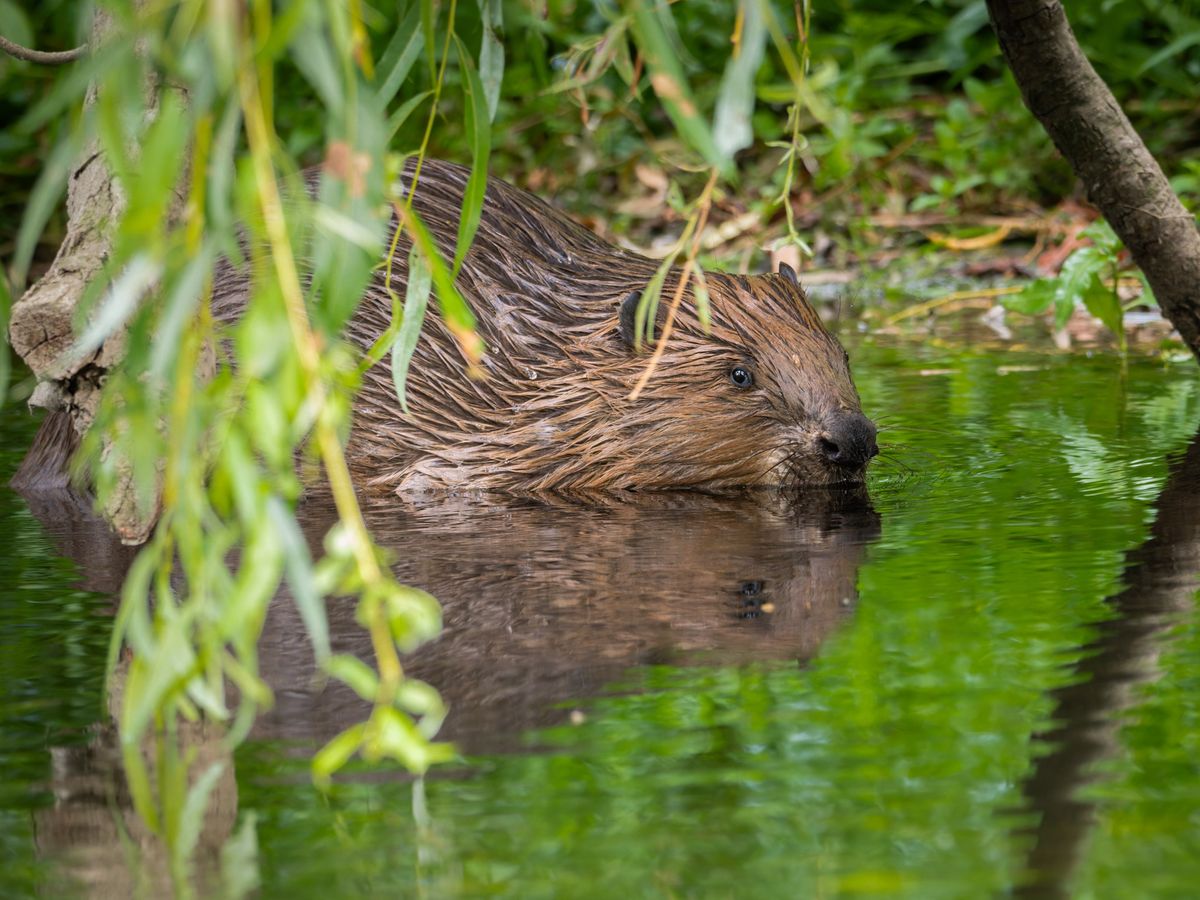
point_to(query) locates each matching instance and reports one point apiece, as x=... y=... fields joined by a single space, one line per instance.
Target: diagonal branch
x=1078 y=111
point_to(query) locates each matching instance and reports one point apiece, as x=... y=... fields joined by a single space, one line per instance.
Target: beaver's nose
x=848 y=440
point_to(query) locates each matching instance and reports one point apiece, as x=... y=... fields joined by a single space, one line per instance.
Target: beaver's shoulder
x=524 y=245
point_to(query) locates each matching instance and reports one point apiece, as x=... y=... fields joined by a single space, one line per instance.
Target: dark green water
x=992 y=686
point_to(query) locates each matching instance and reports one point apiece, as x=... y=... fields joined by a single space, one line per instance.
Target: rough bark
x=1122 y=179
x=42 y=326
x=42 y=329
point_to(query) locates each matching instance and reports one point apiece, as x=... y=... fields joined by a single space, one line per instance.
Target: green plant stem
x=437 y=93
x=693 y=231
x=329 y=446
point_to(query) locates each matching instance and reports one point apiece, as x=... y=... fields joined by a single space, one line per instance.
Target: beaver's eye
x=741 y=376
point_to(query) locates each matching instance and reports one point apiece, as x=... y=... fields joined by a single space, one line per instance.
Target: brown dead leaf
x=653 y=178
x=1052 y=259
x=344 y=164
x=648 y=205
x=729 y=230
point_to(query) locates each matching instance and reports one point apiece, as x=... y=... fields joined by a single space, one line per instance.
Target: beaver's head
x=763 y=397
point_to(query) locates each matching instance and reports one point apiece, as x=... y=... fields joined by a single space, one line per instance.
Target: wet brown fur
x=553 y=413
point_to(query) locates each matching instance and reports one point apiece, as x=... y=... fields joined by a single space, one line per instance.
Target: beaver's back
x=762 y=395
x=529 y=266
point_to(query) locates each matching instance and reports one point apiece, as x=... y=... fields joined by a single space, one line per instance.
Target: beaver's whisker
x=892 y=462
x=898 y=464
x=930 y=456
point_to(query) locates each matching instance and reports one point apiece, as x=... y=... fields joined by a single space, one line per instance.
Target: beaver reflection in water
x=762 y=398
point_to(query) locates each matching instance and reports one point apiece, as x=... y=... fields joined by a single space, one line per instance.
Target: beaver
x=761 y=397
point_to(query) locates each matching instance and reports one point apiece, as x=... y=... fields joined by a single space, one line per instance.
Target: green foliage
x=205 y=423
x=416 y=298
x=1088 y=278
x=826 y=778
x=907 y=102
x=667 y=78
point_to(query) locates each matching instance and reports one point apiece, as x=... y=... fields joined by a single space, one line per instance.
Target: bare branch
x=56 y=58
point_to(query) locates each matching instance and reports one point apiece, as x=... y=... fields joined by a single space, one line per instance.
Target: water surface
x=986 y=682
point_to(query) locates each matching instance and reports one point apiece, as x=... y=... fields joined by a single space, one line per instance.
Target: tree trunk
x=1087 y=125
x=42 y=329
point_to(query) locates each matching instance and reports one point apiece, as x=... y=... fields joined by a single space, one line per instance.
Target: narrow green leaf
x=413 y=614
x=156 y=677
x=118 y=304
x=491 y=52
x=455 y=310
x=313 y=58
x=135 y=594
x=399 y=57
x=428 y=26
x=207 y=699
x=416 y=300
x=14 y=24
x=400 y=116
x=393 y=734
x=647 y=310
x=179 y=311
x=259 y=573
x=43 y=200
x=299 y=569
x=160 y=157
x=360 y=677
x=221 y=173
x=68 y=90
x=240 y=876
x=667 y=78
x=192 y=818
x=237 y=465
x=337 y=225
x=1175 y=48
x=1147 y=297
x=137 y=779
x=423 y=700
x=337 y=753
x=480 y=129
x=735 y=101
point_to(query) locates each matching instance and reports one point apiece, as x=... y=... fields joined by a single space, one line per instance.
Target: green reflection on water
x=53 y=639
x=892 y=764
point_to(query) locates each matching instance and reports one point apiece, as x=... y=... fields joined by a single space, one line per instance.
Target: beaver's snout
x=848 y=440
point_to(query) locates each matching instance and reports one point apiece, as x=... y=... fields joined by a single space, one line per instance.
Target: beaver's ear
x=627 y=326
x=789 y=273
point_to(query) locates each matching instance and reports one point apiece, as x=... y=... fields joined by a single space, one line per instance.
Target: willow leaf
x=491 y=52
x=732 y=127
x=399 y=57
x=667 y=78
x=416 y=300
x=479 y=128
